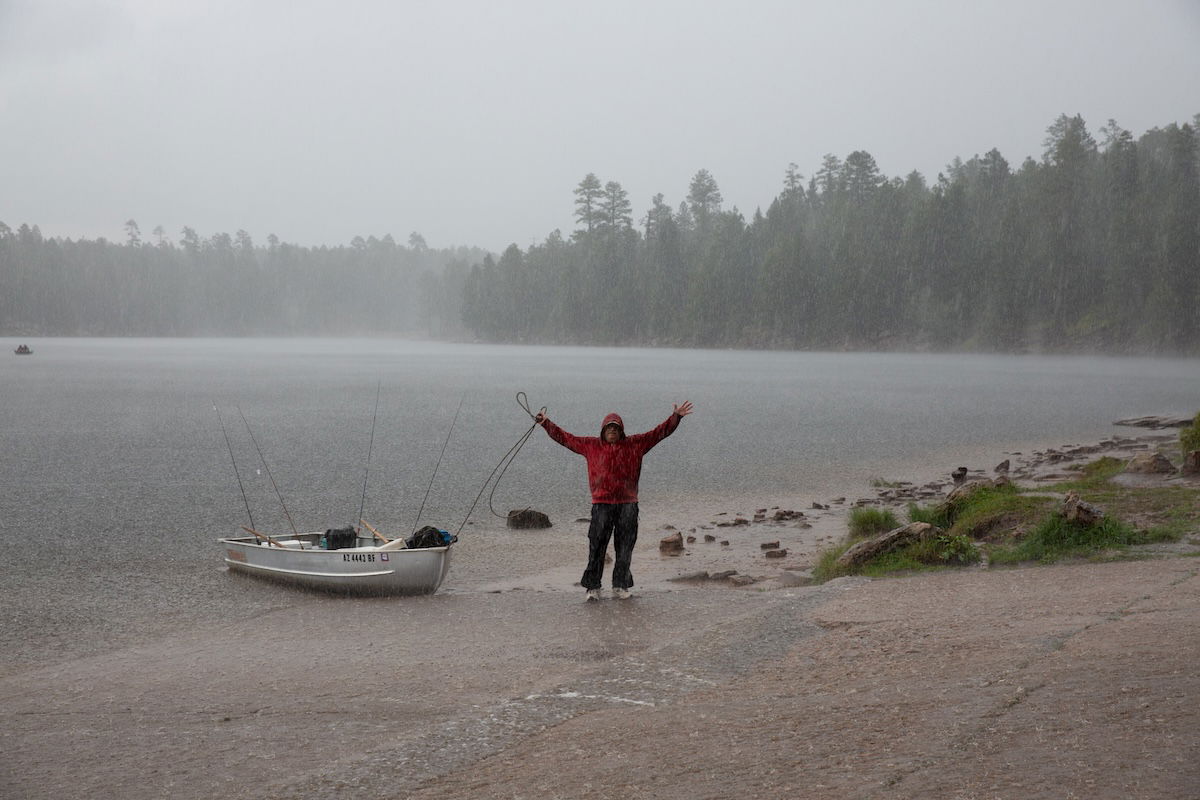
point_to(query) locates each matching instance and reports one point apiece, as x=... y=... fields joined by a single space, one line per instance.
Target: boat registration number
x=358 y=556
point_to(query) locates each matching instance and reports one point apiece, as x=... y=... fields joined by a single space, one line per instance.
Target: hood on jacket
x=613 y=419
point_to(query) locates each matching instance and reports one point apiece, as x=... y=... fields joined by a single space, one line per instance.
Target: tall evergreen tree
x=588 y=196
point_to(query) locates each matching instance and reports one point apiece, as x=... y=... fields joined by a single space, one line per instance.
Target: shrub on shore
x=1189 y=437
x=1055 y=538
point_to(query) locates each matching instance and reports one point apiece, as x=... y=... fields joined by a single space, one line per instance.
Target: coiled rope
x=502 y=467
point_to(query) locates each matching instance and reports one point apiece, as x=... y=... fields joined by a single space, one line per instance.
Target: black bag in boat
x=430 y=536
x=340 y=538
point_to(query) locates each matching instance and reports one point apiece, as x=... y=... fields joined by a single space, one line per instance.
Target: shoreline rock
x=527 y=519
x=1155 y=423
x=886 y=542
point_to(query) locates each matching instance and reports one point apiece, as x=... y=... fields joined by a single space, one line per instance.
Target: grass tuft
x=866 y=522
x=826 y=568
x=1189 y=437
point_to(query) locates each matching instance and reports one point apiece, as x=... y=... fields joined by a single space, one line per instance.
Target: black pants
x=618 y=521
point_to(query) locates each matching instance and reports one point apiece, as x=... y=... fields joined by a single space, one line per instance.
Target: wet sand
x=1050 y=682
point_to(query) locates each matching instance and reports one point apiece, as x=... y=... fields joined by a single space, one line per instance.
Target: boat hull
x=356 y=570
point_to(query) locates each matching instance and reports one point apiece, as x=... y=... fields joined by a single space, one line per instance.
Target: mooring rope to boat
x=502 y=467
x=234 y=462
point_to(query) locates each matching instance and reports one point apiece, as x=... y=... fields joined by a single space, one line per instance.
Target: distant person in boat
x=614 y=464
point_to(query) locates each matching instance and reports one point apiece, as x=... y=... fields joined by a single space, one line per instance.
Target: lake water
x=118 y=478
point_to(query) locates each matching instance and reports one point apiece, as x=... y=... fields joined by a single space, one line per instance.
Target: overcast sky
x=471 y=122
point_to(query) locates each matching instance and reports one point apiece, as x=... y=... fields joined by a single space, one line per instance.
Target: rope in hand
x=502 y=467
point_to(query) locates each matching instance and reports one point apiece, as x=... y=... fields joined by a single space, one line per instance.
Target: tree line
x=226 y=285
x=1096 y=246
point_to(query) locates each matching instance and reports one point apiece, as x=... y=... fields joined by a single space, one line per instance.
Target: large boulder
x=864 y=551
x=1150 y=464
x=528 y=518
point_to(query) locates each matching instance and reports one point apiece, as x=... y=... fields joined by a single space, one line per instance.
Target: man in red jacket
x=614 y=464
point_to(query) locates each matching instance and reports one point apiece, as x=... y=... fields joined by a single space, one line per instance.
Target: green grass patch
x=826 y=568
x=999 y=516
x=938 y=552
x=866 y=522
x=953 y=509
x=1163 y=513
x=897 y=562
x=1024 y=525
x=1093 y=475
x=1055 y=538
x=988 y=513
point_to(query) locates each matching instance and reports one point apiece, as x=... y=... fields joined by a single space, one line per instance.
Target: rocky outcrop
x=1191 y=463
x=864 y=551
x=1155 y=423
x=1075 y=510
x=528 y=519
x=1150 y=464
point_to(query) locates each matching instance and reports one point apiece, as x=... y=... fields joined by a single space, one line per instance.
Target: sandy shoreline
x=511 y=687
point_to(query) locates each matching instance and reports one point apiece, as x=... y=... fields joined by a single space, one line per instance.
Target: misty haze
x=284 y=286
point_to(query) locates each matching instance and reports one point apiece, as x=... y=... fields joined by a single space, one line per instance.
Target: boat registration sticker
x=235 y=555
x=383 y=556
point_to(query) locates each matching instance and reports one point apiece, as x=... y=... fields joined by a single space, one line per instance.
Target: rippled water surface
x=118 y=478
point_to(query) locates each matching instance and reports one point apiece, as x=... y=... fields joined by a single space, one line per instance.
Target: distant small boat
x=360 y=567
x=23 y=350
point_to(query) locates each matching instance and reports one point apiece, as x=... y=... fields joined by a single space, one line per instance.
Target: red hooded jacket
x=613 y=469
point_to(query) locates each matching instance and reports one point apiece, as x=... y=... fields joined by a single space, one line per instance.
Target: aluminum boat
x=363 y=568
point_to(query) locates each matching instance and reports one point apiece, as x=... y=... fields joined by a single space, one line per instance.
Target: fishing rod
x=370 y=447
x=439 y=462
x=234 y=462
x=269 y=475
x=502 y=467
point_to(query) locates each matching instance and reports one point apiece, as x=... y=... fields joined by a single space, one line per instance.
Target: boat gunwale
x=250 y=541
